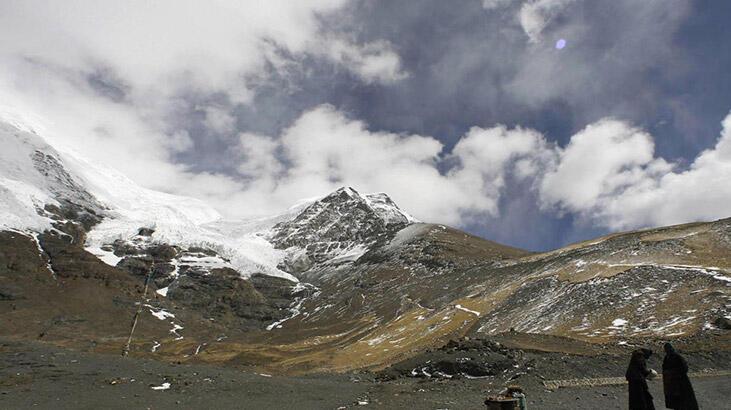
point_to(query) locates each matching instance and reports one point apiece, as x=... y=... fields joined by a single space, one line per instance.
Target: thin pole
x=125 y=351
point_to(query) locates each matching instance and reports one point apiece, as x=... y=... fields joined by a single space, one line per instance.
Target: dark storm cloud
x=644 y=62
x=470 y=66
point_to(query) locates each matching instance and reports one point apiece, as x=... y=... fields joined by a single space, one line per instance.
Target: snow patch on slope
x=176 y=220
x=18 y=204
x=407 y=234
x=23 y=189
x=384 y=207
x=107 y=257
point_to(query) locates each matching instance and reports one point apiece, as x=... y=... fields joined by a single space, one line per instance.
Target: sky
x=534 y=123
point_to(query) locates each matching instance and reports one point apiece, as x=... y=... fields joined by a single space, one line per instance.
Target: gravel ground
x=712 y=393
x=35 y=375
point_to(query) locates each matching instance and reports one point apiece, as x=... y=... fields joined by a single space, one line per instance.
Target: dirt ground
x=36 y=375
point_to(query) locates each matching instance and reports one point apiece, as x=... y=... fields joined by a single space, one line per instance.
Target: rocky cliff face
x=75 y=201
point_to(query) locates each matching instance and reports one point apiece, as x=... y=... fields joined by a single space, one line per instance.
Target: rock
x=278 y=290
x=296 y=263
x=140 y=261
x=163 y=252
x=145 y=231
x=19 y=256
x=70 y=260
x=138 y=266
x=8 y=295
x=205 y=251
x=123 y=248
x=162 y=269
x=225 y=296
x=723 y=323
x=451 y=344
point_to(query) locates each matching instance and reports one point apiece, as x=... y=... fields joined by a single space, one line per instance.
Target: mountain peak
x=343 y=222
x=344 y=193
x=346 y=190
x=379 y=203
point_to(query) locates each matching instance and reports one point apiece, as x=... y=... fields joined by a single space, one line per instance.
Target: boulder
x=723 y=323
x=145 y=231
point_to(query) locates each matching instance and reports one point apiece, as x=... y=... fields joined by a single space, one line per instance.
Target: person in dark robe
x=679 y=394
x=637 y=374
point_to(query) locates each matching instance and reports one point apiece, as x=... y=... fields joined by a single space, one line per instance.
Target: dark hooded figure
x=637 y=373
x=679 y=393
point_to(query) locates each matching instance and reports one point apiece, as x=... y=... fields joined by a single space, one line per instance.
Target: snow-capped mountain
x=337 y=228
x=124 y=220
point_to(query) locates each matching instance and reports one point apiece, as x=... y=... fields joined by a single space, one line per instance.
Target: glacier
x=34 y=174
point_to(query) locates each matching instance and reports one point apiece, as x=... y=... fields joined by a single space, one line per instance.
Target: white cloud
x=219 y=120
x=495 y=4
x=324 y=150
x=167 y=44
x=150 y=56
x=161 y=45
x=487 y=156
x=179 y=141
x=600 y=159
x=608 y=174
x=259 y=161
x=373 y=62
x=535 y=15
x=702 y=192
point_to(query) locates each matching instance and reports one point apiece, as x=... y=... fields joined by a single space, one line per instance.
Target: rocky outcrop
x=141 y=261
x=723 y=323
x=471 y=358
x=226 y=297
x=69 y=260
x=19 y=254
x=77 y=204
